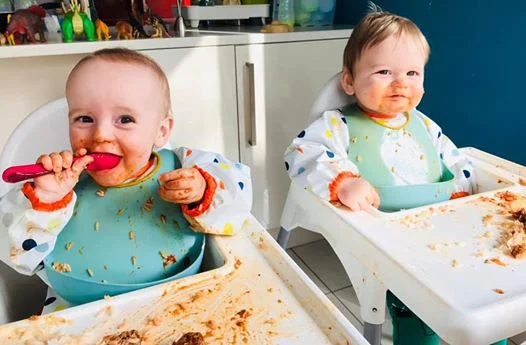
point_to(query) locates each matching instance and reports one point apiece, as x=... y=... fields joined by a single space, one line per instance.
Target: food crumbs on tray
x=120 y=212
x=499 y=291
x=479 y=254
x=495 y=261
x=155 y=321
x=163 y=218
x=487 y=234
x=455 y=263
x=123 y=338
x=97 y=226
x=434 y=247
x=90 y=272
x=101 y=193
x=134 y=260
x=69 y=245
x=61 y=267
x=131 y=234
x=191 y=338
x=237 y=263
x=487 y=219
x=522 y=181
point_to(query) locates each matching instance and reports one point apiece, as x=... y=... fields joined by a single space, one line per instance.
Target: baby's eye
x=384 y=72
x=84 y=119
x=413 y=73
x=126 y=119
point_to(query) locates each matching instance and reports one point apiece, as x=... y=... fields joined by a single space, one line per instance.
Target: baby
x=381 y=140
x=119 y=103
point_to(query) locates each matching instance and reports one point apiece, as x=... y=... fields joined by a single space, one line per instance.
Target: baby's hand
x=54 y=187
x=357 y=194
x=182 y=186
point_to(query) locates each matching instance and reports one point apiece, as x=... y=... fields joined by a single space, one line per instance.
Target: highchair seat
x=44 y=130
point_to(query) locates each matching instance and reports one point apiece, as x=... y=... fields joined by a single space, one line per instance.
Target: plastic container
x=314 y=12
x=283 y=10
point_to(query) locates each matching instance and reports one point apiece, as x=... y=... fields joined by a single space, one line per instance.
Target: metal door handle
x=250 y=124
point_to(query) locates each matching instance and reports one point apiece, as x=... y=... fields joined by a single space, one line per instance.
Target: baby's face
x=389 y=77
x=117 y=108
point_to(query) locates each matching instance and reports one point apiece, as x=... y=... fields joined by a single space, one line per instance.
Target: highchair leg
x=283 y=237
x=372 y=333
x=370 y=291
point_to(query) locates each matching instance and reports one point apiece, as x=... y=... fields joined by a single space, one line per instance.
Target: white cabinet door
x=286 y=79
x=203 y=86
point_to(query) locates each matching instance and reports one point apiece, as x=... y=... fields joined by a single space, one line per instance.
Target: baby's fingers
x=56 y=162
x=373 y=198
x=183 y=183
x=81 y=164
x=67 y=159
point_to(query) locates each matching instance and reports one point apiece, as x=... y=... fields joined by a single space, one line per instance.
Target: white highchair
x=295 y=215
x=44 y=130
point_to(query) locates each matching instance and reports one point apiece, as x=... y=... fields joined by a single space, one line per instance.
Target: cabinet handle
x=251 y=121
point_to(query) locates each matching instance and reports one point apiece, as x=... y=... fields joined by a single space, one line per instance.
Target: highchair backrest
x=330 y=97
x=44 y=130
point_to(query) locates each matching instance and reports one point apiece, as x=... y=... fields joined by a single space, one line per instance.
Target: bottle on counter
x=283 y=10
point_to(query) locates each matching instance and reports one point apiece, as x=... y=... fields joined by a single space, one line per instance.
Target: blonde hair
x=123 y=55
x=373 y=29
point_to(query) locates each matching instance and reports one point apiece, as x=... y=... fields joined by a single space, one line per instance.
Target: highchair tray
x=255 y=295
x=452 y=262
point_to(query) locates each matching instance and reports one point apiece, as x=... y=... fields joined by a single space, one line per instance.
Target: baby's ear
x=346 y=82
x=165 y=129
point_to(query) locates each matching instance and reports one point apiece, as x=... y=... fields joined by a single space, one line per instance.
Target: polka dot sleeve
x=458 y=163
x=318 y=155
x=28 y=235
x=228 y=198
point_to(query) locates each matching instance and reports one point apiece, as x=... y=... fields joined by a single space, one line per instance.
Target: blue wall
x=476 y=77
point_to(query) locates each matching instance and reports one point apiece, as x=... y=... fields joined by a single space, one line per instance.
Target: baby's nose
x=400 y=81
x=103 y=133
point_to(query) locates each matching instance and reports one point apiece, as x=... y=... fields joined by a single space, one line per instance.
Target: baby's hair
x=123 y=55
x=373 y=29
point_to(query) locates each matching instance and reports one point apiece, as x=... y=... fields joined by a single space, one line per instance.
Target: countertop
x=216 y=36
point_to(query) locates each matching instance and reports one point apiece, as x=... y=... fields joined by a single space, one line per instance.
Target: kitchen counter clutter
x=219 y=36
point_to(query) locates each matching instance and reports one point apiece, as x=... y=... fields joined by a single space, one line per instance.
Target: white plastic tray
x=258 y=277
x=395 y=250
x=223 y=12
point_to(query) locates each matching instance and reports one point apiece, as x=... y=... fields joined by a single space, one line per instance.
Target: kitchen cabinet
x=277 y=85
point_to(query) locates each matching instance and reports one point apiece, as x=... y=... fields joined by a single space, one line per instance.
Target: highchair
x=371 y=245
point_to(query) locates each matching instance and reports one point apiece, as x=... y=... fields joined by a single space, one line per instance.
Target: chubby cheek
x=416 y=96
x=371 y=96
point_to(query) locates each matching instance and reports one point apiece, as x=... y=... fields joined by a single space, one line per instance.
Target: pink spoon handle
x=19 y=173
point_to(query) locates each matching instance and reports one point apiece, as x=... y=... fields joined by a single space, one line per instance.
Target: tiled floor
x=320 y=263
